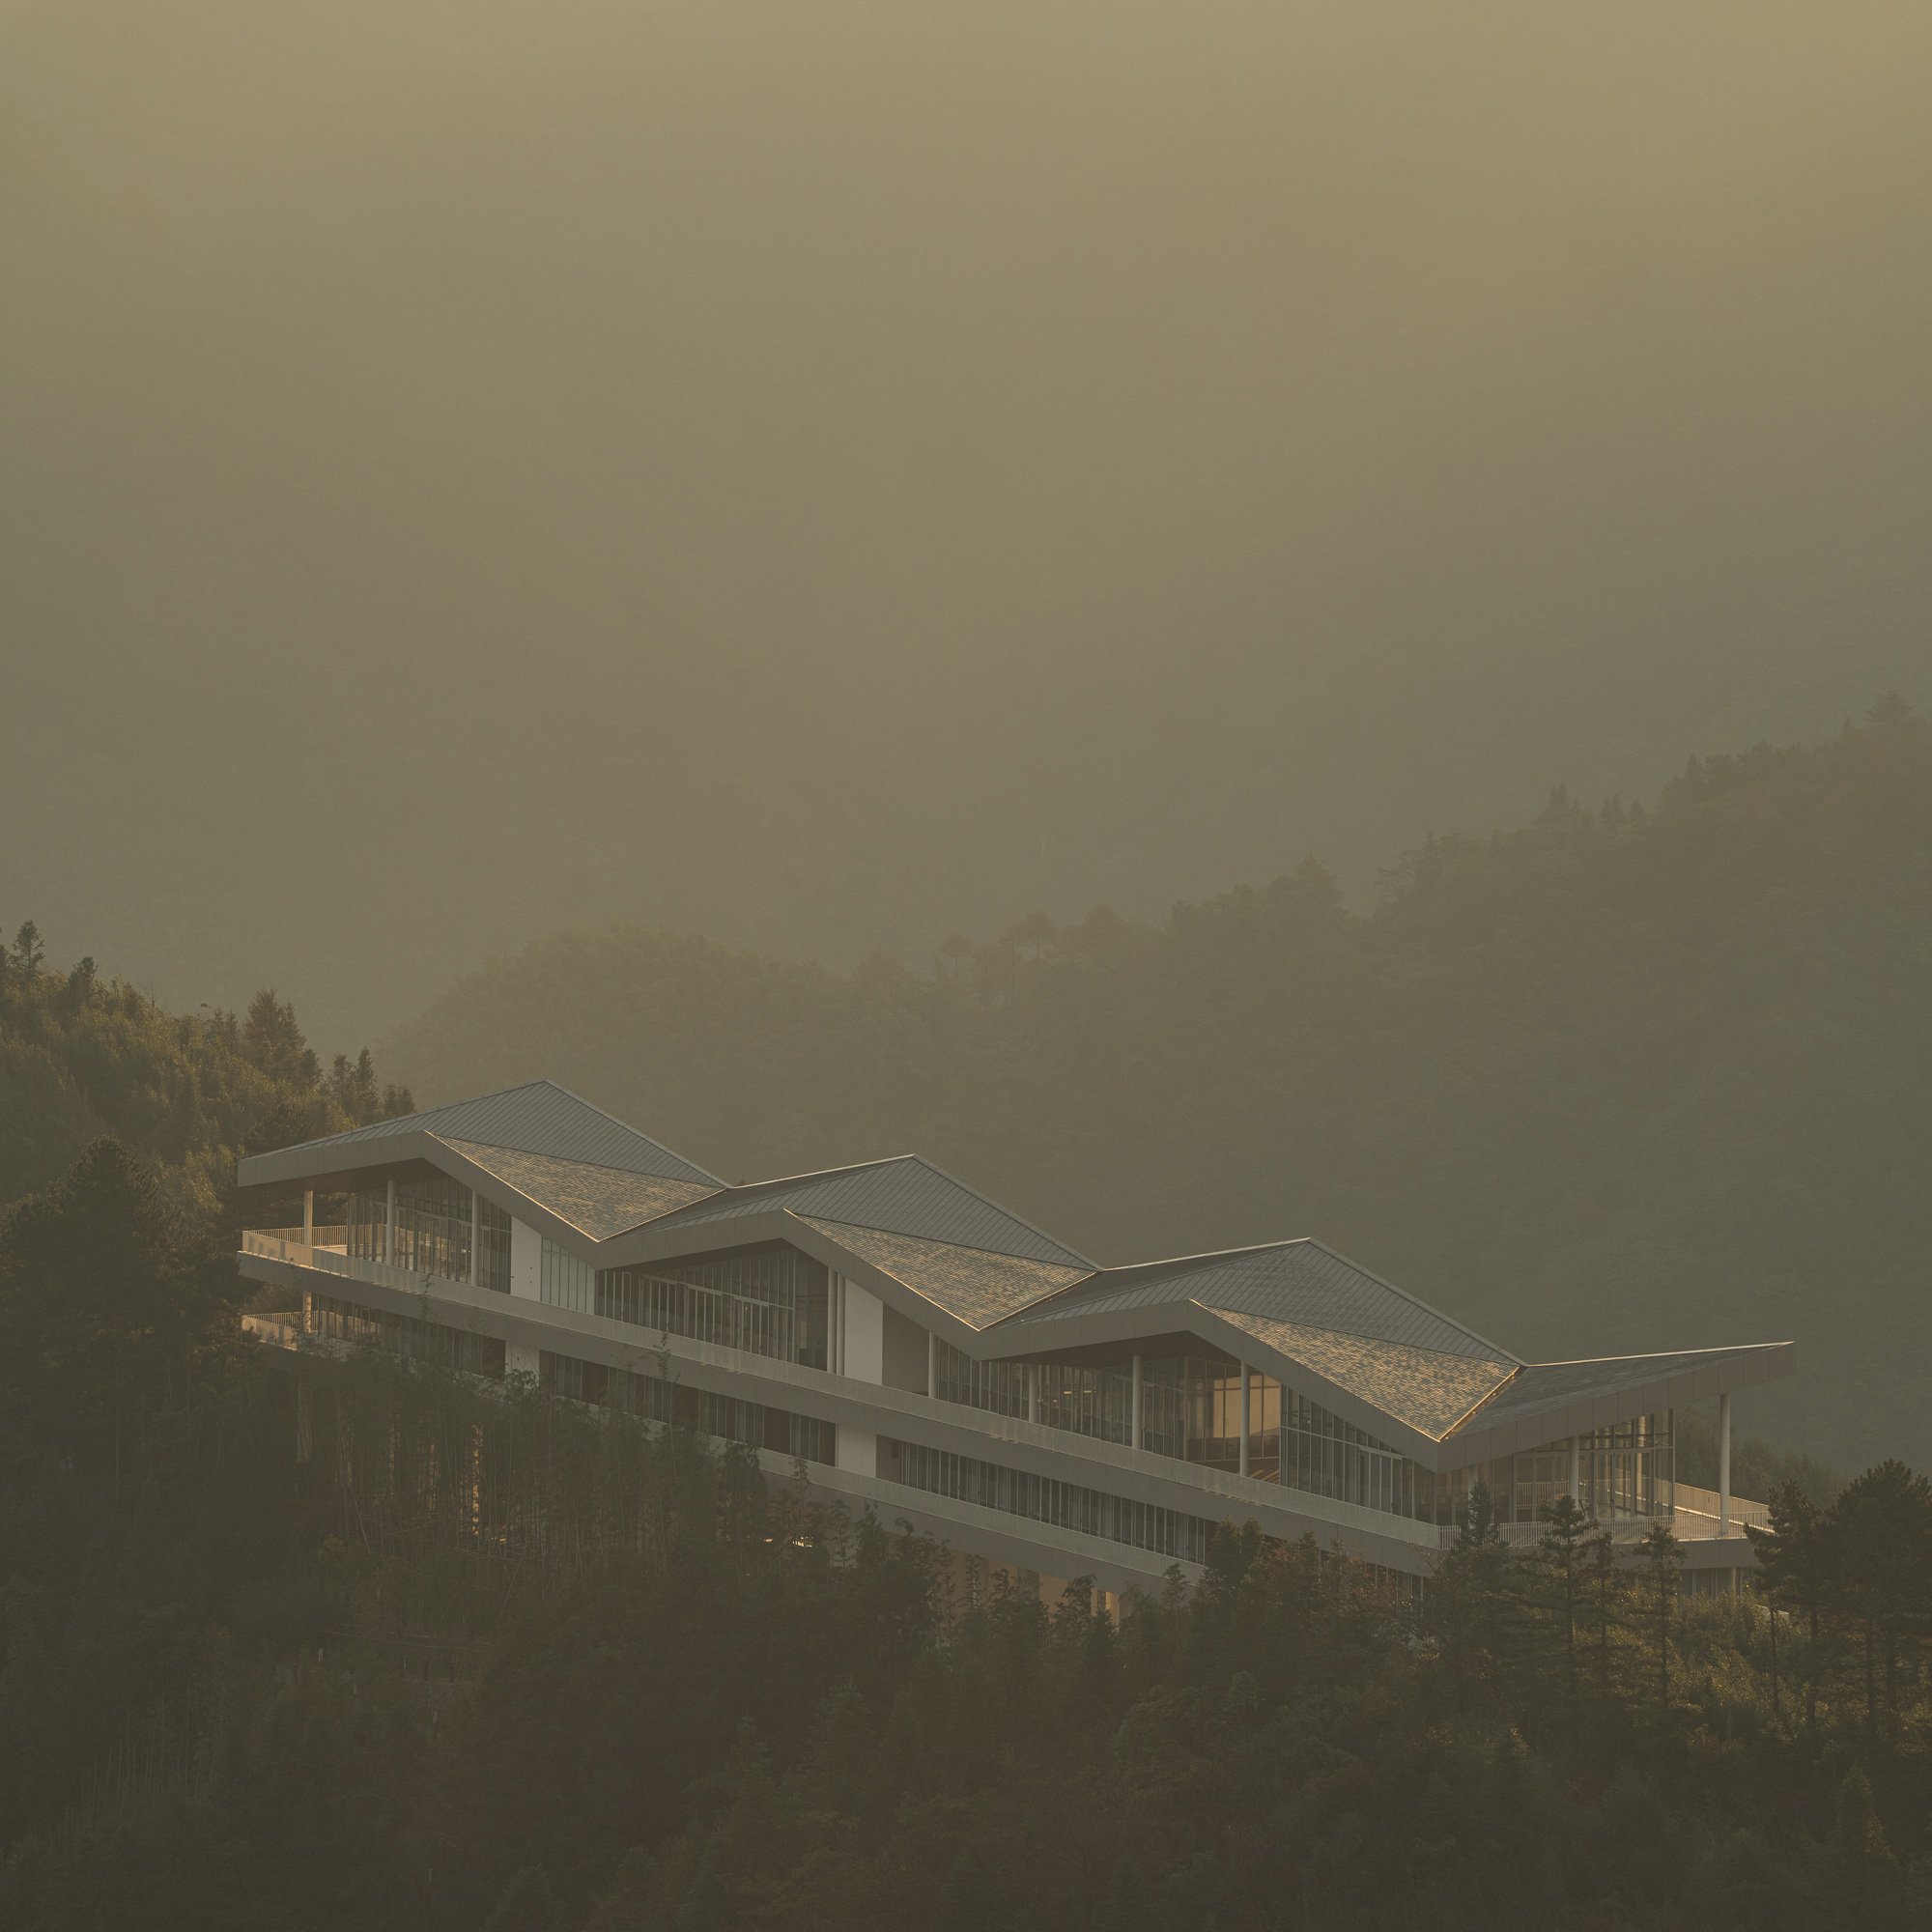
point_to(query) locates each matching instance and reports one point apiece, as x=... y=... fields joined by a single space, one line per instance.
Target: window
x=565 y=1280
x=402 y=1335
x=493 y=1258
x=1045 y=1499
x=768 y=1300
x=657 y=1400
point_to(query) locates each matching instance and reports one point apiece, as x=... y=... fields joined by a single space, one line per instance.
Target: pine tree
x=1663 y=1565
x=1563 y=1548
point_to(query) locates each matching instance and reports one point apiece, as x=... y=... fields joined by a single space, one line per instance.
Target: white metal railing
x=1697 y=1517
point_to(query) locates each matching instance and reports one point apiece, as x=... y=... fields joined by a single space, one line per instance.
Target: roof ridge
x=962 y=1247
x=617 y=1120
x=564 y=1160
x=811 y=1175
x=1498 y=1354
x=967 y=1187
x=783 y=1184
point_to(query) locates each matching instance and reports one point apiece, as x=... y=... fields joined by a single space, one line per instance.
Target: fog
x=828 y=474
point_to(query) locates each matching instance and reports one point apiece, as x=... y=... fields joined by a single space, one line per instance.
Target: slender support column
x=933 y=1365
x=1134 y=1412
x=1576 y=1470
x=1247 y=1383
x=1033 y=1392
x=1723 y=1466
x=475 y=1238
x=389 y=1226
x=308 y=1217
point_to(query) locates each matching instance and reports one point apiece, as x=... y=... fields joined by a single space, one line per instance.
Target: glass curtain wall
x=433 y=1227
x=1191 y=1409
x=564 y=1281
x=366 y=1221
x=1625 y=1470
x=656 y=1400
x=413 y=1339
x=493 y=1257
x=1045 y=1499
x=1085 y=1400
x=767 y=1301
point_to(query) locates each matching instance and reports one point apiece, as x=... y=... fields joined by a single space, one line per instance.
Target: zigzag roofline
x=1179 y=1267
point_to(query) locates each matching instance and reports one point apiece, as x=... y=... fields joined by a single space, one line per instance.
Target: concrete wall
x=904 y=1354
x=862 y=1351
x=860 y=1354
x=526 y=1261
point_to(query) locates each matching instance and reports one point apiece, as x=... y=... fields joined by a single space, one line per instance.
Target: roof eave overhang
x=327 y=1163
x=321 y=1166
x=1488 y=1433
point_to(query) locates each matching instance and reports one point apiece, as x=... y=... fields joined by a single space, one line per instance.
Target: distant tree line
x=82 y=1057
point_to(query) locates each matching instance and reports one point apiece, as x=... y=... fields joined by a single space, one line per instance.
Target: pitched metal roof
x=1423 y=1387
x=539 y=1117
x=600 y=1201
x=1300 y=1281
x=906 y=1195
x=975 y=1286
x=1542 y=1386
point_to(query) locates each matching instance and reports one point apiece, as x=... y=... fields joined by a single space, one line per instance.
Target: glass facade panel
x=767 y=1301
x=413 y=1339
x=1625 y=1470
x=366 y=1219
x=1045 y=1499
x=433 y=1228
x=493 y=1260
x=1191 y=1408
x=565 y=1280
x=656 y=1400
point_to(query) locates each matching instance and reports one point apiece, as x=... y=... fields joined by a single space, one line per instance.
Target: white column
x=862 y=1348
x=526 y=1261
x=1723 y=1466
x=308 y=1217
x=1033 y=1392
x=1135 y=1406
x=1576 y=1469
x=389 y=1226
x=933 y=1365
x=1246 y=1384
x=475 y=1238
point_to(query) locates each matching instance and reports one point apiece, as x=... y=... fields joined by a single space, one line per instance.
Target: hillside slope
x=1618 y=1079
x=82 y=1058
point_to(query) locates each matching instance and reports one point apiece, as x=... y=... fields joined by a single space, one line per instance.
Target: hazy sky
x=828 y=473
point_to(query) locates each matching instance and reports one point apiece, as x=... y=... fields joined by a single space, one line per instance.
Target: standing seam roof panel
x=1299 y=1281
x=902 y=1196
x=540 y=1117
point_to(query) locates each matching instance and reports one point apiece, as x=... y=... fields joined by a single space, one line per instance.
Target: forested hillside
x=486 y=1661
x=1626 y=1078
x=82 y=1057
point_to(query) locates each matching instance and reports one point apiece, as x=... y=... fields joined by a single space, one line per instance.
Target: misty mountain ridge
x=1619 y=1079
x=813 y=476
